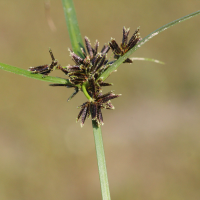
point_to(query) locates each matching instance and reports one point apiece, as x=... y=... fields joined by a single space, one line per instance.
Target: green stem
x=85 y=91
x=101 y=161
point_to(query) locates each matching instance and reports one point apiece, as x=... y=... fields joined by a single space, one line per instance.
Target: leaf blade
x=29 y=74
x=147 y=59
x=72 y=27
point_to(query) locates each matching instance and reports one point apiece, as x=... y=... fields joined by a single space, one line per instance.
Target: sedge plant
x=88 y=73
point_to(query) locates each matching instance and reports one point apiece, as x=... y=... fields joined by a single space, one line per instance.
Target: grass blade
x=73 y=28
x=143 y=41
x=147 y=59
x=28 y=74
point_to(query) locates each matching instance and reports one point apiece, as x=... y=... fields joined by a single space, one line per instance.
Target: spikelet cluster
x=87 y=70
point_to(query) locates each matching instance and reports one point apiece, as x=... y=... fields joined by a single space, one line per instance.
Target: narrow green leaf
x=73 y=28
x=29 y=74
x=143 y=41
x=147 y=59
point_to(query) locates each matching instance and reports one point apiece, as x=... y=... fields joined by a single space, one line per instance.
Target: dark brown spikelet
x=125 y=37
x=42 y=69
x=105 y=84
x=115 y=48
x=99 y=117
x=93 y=110
x=106 y=97
x=101 y=62
x=96 y=46
x=73 y=68
x=63 y=69
x=105 y=49
x=92 y=87
x=84 y=113
x=109 y=106
x=89 y=47
x=134 y=39
x=78 y=60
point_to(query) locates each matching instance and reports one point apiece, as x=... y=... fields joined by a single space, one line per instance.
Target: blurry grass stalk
x=77 y=44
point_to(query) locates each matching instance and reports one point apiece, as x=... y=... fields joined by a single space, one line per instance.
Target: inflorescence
x=85 y=74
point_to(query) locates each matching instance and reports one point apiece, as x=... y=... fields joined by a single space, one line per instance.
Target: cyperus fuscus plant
x=88 y=72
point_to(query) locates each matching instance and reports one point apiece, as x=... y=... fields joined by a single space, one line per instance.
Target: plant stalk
x=101 y=161
x=73 y=28
x=85 y=91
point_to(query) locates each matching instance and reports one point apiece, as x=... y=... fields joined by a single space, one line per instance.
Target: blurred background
x=151 y=140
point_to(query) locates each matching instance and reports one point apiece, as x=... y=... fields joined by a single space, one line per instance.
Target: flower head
x=85 y=74
x=97 y=102
x=93 y=108
x=125 y=46
x=92 y=65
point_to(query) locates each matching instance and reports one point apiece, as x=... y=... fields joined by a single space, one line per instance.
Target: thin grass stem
x=101 y=161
